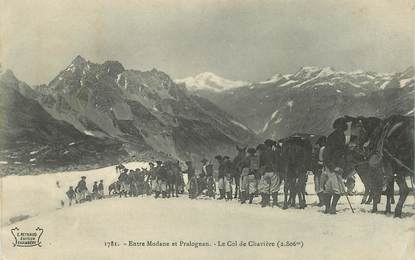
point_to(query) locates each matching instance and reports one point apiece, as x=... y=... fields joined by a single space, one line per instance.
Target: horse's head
x=241 y=153
x=360 y=129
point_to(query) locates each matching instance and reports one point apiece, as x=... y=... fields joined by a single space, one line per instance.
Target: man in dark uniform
x=334 y=159
x=201 y=179
x=123 y=179
x=192 y=181
x=81 y=190
x=101 y=189
x=157 y=179
x=318 y=168
x=221 y=176
x=162 y=180
x=210 y=181
x=151 y=179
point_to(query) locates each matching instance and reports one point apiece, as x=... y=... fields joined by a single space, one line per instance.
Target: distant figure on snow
x=71 y=195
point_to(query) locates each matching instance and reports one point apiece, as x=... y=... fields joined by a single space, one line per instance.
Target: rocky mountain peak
x=79 y=61
x=113 y=67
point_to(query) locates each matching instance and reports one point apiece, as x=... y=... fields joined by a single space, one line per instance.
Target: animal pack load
x=254 y=163
x=209 y=170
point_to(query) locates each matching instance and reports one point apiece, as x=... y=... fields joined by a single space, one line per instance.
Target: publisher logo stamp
x=27 y=238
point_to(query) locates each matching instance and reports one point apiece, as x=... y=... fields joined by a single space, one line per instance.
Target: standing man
x=202 y=176
x=81 y=190
x=334 y=159
x=253 y=173
x=270 y=181
x=151 y=179
x=210 y=181
x=123 y=180
x=71 y=195
x=192 y=182
x=318 y=168
x=95 y=190
x=157 y=179
x=221 y=176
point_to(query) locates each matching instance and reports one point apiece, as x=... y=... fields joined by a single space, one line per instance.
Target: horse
x=357 y=163
x=296 y=157
x=390 y=151
x=174 y=178
x=236 y=169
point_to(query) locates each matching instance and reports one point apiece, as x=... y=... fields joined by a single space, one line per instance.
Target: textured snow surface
x=79 y=232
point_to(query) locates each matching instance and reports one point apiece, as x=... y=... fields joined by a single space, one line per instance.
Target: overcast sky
x=247 y=40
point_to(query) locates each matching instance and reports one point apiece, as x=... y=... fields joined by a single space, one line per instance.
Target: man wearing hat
x=123 y=179
x=151 y=179
x=333 y=159
x=81 y=190
x=101 y=189
x=221 y=176
x=270 y=183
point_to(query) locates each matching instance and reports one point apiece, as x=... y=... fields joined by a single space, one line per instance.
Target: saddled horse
x=237 y=169
x=356 y=162
x=390 y=151
x=296 y=157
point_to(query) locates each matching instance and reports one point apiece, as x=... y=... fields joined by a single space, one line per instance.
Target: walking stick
x=347 y=197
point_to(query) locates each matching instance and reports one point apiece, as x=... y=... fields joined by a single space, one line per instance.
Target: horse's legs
x=389 y=197
x=392 y=191
x=293 y=192
x=286 y=189
x=237 y=188
x=367 y=190
x=376 y=200
x=403 y=193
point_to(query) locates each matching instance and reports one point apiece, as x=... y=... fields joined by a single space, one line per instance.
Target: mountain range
x=112 y=114
x=94 y=114
x=310 y=99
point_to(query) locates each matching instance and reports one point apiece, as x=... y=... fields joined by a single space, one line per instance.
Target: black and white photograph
x=207 y=129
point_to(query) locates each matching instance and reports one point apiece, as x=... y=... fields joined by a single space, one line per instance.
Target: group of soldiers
x=81 y=193
x=259 y=173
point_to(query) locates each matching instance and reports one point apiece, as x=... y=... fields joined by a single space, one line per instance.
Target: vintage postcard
x=207 y=129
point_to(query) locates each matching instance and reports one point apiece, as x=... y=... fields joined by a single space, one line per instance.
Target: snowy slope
x=81 y=230
x=210 y=81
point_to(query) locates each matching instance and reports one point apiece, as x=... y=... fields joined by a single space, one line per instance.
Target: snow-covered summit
x=210 y=81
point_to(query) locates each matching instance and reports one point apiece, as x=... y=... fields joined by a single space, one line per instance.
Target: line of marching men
x=165 y=179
